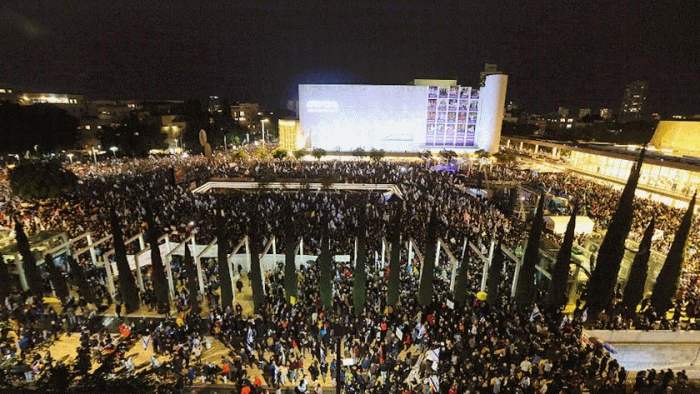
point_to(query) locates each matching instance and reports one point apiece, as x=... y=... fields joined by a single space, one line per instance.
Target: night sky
x=574 y=53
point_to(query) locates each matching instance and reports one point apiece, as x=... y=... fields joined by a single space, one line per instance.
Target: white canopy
x=557 y=224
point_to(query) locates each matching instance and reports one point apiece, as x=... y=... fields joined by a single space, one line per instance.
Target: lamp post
x=262 y=122
x=114 y=150
x=94 y=154
x=70 y=157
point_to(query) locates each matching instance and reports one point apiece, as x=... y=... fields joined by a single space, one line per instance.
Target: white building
x=429 y=114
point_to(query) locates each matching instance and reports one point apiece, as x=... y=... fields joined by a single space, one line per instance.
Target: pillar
x=22 y=275
x=93 y=254
x=139 y=275
x=198 y=264
x=487 y=265
x=109 y=276
x=383 y=252
x=354 y=261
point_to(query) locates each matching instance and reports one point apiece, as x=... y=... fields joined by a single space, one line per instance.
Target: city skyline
x=556 y=55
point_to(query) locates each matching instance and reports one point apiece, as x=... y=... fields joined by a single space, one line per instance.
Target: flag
x=535 y=313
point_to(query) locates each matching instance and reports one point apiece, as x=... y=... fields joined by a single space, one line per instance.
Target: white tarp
x=557 y=224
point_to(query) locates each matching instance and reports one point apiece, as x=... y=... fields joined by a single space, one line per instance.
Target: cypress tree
x=394 y=264
x=192 y=285
x=57 y=279
x=290 y=266
x=667 y=282
x=604 y=277
x=31 y=271
x=222 y=248
x=495 y=276
x=460 y=290
x=84 y=289
x=525 y=287
x=4 y=279
x=127 y=287
x=256 y=278
x=560 y=273
x=325 y=282
x=359 y=277
x=160 y=283
x=634 y=289
x=425 y=286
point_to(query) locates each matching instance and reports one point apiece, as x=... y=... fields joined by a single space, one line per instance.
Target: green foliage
x=506 y=158
x=318 y=153
x=290 y=267
x=604 y=277
x=127 y=287
x=192 y=285
x=482 y=154
x=495 y=276
x=359 y=277
x=41 y=179
x=43 y=125
x=425 y=287
x=359 y=152
x=634 y=289
x=239 y=154
x=160 y=284
x=560 y=273
x=279 y=153
x=426 y=155
x=300 y=153
x=222 y=243
x=666 y=284
x=256 y=277
x=31 y=271
x=325 y=282
x=448 y=154
x=525 y=287
x=377 y=154
x=5 y=279
x=460 y=290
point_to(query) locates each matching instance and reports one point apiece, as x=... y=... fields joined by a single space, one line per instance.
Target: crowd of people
x=452 y=349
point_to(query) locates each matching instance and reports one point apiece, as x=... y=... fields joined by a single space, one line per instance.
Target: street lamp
x=70 y=157
x=114 y=150
x=262 y=122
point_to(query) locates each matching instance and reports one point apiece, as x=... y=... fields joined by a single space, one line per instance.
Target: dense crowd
x=480 y=348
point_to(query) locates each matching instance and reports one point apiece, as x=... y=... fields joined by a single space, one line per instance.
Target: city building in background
x=290 y=136
x=74 y=104
x=605 y=114
x=404 y=118
x=634 y=100
x=680 y=138
x=489 y=69
x=245 y=113
x=215 y=105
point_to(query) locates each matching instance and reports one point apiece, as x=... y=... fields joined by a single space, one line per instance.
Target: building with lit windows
x=429 y=114
x=634 y=102
x=245 y=113
x=74 y=104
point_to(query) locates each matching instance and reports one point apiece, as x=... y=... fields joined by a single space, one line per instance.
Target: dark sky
x=576 y=53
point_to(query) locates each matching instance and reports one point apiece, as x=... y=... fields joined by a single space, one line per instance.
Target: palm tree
x=604 y=277
x=634 y=289
x=31 y=271
x=560 y=272
x=160 y=284
x=127 y=286
x=525 y=286
x=666 y=284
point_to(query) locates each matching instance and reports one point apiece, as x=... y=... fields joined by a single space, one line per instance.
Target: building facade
x=404 y=118
x=634 y=100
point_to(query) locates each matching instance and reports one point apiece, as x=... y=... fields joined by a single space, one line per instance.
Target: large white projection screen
x=346 y=117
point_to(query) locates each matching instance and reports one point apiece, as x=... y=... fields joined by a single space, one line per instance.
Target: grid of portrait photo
x=452 y=115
